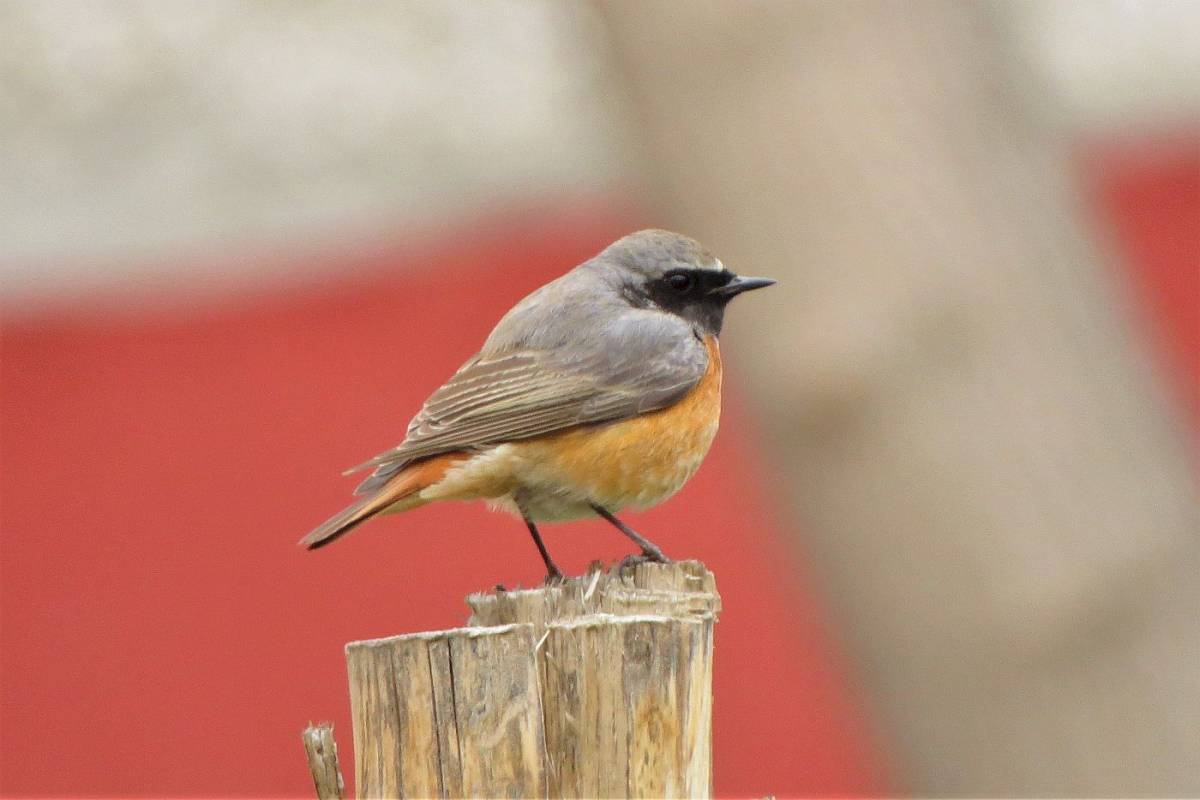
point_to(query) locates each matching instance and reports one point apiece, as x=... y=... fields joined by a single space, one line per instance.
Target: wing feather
x=641 y=362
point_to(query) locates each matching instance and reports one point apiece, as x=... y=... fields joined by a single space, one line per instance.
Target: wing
x=640 y=362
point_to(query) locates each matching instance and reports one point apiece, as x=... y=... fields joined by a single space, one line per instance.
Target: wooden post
x=323 y=761
x=598 y=687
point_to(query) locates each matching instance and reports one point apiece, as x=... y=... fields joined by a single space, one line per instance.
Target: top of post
x=681 y=589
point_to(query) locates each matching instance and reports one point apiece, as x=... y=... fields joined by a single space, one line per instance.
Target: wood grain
x=321 y=750
x=419 y=701
x=684 y=589
x=598 y=687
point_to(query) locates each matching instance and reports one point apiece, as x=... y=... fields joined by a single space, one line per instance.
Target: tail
x=400 y=493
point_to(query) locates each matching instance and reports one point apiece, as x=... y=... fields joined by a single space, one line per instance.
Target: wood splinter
x=323 y=761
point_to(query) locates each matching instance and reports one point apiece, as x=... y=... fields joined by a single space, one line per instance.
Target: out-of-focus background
x=952 y=509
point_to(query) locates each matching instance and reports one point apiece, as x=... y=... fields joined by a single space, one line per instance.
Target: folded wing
x=641 y=362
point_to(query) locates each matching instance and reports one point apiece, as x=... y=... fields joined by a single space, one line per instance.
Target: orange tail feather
x=404 y=485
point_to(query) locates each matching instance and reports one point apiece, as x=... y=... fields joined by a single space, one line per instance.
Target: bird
x=597 y=392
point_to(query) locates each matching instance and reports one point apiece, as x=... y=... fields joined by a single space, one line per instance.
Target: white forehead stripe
x=715 y=266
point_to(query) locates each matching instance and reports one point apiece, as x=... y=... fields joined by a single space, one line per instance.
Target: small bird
x=599 y=391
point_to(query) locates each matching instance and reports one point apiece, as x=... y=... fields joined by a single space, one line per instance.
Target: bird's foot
x=554 y=578
x=647 y=556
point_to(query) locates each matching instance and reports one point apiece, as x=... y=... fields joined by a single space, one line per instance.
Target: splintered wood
x=323 y=761
x=598 y=687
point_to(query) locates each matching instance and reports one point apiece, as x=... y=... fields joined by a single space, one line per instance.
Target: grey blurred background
x=967 y=428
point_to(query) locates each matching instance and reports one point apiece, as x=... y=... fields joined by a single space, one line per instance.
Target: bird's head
x=668 y=271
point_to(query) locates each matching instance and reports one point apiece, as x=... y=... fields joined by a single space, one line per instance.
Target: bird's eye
x=680 y=281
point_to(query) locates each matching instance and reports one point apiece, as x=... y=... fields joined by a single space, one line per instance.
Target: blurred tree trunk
x=1000 y=502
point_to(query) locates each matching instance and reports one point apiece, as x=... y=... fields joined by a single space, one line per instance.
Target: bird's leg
x=553 y=573
x=650 y=550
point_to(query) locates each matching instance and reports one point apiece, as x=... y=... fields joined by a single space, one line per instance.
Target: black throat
x=696 y=303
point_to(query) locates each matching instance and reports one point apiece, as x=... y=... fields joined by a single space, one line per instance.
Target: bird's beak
x=741 y=284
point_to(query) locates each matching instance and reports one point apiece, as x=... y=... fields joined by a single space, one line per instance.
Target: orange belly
x=635 y=462
x=642 y=460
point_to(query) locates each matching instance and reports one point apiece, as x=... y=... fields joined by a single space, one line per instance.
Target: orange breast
x=639 y=461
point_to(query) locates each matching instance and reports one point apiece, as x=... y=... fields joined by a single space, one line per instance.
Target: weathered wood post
x=599 y=687
x=323 y=761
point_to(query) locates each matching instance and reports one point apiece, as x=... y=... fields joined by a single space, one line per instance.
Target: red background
x=161 y=632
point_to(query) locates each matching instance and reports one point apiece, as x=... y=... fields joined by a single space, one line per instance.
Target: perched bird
x=599 y=391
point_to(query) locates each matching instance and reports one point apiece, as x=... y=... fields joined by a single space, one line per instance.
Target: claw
x=655 y=555
x=647 y=556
